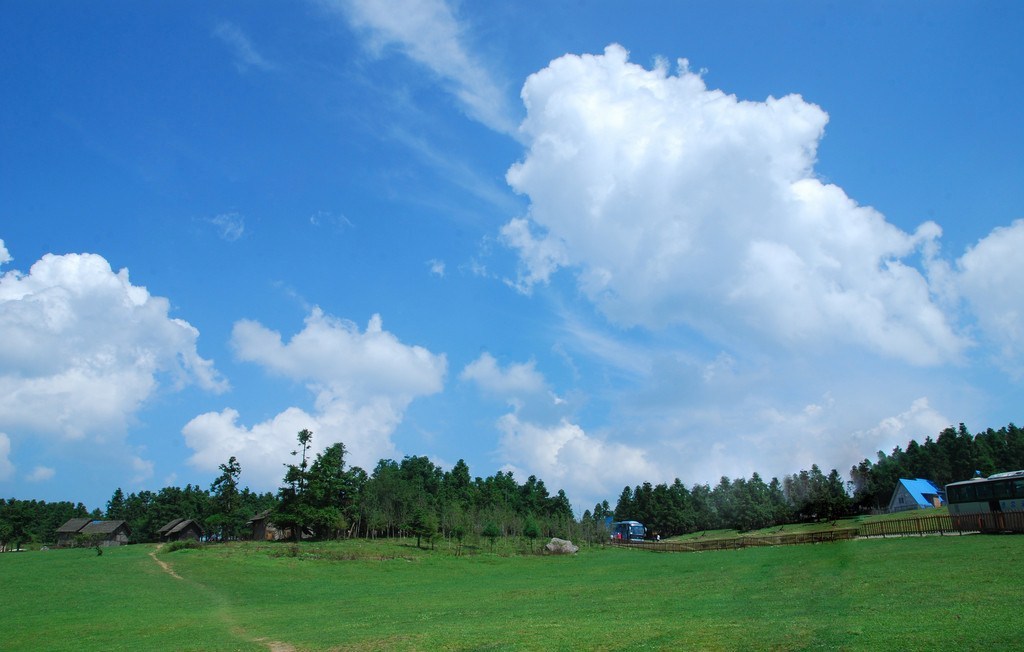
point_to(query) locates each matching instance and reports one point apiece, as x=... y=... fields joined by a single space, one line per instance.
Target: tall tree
x=116 y=505
x=227 y=518
x=292 y=511
x=331 y=492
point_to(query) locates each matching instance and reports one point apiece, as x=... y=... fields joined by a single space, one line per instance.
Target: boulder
x=561 y=547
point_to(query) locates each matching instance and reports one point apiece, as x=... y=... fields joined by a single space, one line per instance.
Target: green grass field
x=915 y=593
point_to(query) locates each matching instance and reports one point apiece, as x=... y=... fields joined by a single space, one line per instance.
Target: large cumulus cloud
x=989 y=277
x=677 y=204
x=83 y=348
x=538 y=436
x=362 y=382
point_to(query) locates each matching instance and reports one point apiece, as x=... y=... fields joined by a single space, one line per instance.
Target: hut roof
x=104 y=527
x=73 y=525
x=259 y=517
x=184 y=524
x=170 y=526
x=921 y=490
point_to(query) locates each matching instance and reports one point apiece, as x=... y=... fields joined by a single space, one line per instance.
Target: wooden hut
x=107 y=533
x=915 y=493
x=86 y=531
x=67 y=534
x=263 y=529
x=180 y=529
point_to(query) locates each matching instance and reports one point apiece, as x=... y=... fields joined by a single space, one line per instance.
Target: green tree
x=116 y=505
x=228 y=518
x=459 y=532
x=332 y=491
x=624 y=507
x=492 y=532
x=422 y=524
x=292 y=510
x=6 y=534
x=531 y=530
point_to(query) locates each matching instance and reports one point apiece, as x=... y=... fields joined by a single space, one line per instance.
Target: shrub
x=184 y=544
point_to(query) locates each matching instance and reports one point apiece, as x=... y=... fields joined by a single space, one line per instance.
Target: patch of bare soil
x=277 y=646
x=164 y=565
x=273 y=646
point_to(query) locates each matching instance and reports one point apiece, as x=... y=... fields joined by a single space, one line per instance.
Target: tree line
x=742 y=504
x=750 y=504
x=23 y=521
x=956 y=455
x=322 y=496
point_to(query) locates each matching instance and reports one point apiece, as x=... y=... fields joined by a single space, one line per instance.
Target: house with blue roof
x=915 y=494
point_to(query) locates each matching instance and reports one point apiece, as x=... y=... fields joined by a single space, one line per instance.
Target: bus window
x=1001 y=490
x=1018 y=488
x=983 y=491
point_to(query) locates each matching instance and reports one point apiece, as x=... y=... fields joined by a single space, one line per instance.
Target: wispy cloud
x=436 y=267
x=428 y=32
x=242 y=48
x=230 y=226
x=41 y=474
x=6 y=467
x=328 y=218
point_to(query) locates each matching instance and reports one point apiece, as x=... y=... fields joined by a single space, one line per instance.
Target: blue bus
x=627 y=531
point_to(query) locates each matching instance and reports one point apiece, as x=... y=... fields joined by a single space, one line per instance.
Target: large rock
x=561 y=547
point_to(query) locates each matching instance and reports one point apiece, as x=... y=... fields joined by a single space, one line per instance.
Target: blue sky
x=602 y=243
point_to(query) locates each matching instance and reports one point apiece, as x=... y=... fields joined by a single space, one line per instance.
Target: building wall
x=191 y=532
x=902 y=500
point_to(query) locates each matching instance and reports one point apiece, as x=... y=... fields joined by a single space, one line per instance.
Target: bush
x=184 y=544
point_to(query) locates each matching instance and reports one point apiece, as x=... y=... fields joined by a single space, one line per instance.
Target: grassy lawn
x=914 y=593
x=76 y=600
x=797 y=528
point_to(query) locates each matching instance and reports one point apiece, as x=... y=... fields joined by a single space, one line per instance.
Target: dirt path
x=164 y=565
x=273 y=646
x=276 y=646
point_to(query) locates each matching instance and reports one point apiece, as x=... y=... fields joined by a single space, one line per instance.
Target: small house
x=180 y=529
x=263 y=529
x=67 y=533
x=107 y=533
x=91 y=532
x=915 y=494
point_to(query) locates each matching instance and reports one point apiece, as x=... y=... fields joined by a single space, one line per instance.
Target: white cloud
x=436 y=267
x=242 y=48
x=230 y=226
x=538 y=438
x=920 y=420
x=989 y=277
x=334 y=357
x=513 y=380
x=6 y=467
x=328 y=218
x=428 y=32
x=564 y=456
x=5 y=256
x=362 y=383
x=142 y=469
x=40 y=474
x=677 y=204
x=541 y=256
x=83 y=348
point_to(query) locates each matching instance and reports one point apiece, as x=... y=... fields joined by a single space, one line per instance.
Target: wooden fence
x=930 y=525
x=991 y=522
x=698 y=545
